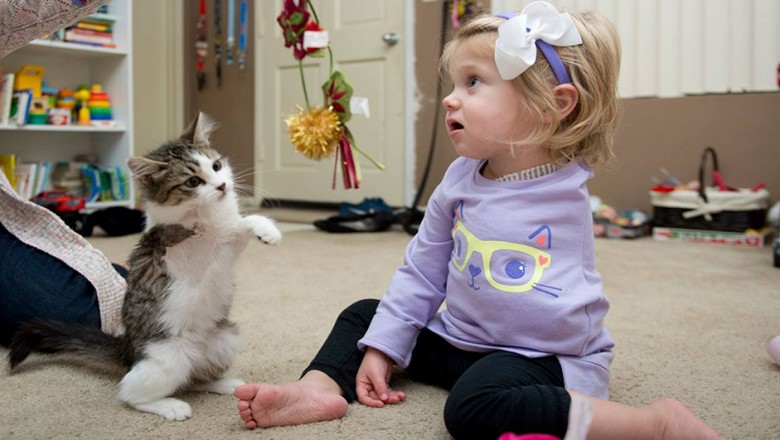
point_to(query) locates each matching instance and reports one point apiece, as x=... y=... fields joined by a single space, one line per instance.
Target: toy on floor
x=510 y=436
x=773 y=348
x=614 y=223
x=773 y=218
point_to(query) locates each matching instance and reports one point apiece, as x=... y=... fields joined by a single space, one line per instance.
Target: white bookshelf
x=68 y=65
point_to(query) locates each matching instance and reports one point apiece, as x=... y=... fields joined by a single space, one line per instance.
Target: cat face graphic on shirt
x=507 y=267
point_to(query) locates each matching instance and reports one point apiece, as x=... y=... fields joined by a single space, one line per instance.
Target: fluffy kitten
x=176 y=332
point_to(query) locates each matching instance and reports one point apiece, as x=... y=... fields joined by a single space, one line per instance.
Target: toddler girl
x=507 y=242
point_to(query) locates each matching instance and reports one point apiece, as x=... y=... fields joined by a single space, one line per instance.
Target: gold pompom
x=315 y=133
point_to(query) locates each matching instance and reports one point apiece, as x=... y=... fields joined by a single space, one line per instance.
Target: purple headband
x=541 y=24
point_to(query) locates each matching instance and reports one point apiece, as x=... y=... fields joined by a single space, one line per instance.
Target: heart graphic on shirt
x=543 y=260
x=540 y=240
x=474 y=270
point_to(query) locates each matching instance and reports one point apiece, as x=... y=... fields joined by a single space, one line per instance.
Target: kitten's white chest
x=202 y=281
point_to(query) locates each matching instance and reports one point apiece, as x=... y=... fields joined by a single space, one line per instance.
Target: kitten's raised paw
x=264 y=229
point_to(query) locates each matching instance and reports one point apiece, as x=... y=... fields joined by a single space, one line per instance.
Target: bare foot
x=681 y=423
x=295 y=403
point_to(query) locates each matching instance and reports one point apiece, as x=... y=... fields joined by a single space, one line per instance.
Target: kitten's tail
x=87 y=342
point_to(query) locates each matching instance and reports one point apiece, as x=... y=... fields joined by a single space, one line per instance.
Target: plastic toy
x=38 y=109
x=29 y=77
x=510 y=436
x=99 y=107
x=50 y=93
x=773 y=348
x=59 y=116
x=82 y=96
x=65 y=99
x=60 y=202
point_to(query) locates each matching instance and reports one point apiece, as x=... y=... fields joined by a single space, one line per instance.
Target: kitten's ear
x=141 y=166
x=199 y=131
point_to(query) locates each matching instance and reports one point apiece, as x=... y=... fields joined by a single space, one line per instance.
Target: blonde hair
x=588 y=132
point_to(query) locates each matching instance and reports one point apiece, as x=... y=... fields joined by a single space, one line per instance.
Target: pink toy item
x=510 y=436
x=773 y=348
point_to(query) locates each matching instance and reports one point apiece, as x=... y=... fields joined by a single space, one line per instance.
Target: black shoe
x=372 y=222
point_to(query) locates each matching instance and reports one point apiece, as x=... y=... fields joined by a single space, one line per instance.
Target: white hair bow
x=517 y=37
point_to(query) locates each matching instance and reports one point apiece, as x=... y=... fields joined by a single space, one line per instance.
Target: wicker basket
x=713 y=208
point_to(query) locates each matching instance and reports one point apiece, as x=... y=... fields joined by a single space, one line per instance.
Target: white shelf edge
x=44 y=44
x=119 y=128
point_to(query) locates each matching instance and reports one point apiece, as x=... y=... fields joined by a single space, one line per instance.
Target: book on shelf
x=27 y=179
x=92 y=33
x=94 y=30
x=8 y=166
x=105 y=183
x=20 y=106
x=72 y=36
x=96 y=183
x=6 y=96
x=25 y=176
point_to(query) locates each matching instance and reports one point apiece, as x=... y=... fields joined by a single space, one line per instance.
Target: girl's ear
x=567 y=97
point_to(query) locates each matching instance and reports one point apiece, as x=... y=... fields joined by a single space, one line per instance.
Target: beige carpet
x=690 y=320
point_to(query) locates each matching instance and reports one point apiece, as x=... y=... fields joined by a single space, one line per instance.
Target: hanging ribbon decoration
x=231 y=30
x=242 y=36
x=318 y=132
x=218 y=40
x=201 y=46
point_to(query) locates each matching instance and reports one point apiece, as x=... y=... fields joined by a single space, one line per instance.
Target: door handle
x=390 y=38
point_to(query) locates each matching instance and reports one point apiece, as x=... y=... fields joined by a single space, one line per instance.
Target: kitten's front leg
x=166 y=235
x=262 y=227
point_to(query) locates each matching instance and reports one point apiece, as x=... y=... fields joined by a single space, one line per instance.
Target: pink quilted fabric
x=43 y=230
x=22 y=21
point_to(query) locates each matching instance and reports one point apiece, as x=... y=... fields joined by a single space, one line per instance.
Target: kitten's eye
x=217 y=166
x=515 y=269
x=192 y=182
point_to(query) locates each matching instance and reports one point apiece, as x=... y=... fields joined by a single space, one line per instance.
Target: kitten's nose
x=221 y=187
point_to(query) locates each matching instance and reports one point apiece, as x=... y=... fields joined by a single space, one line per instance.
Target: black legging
x=490 y=393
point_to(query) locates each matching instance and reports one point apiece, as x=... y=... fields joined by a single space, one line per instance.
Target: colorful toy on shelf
x=81 y=110
x=65 y=99
x=50 y=93
x=58 y=116
x=100 y=107
x=63 y=113
x=29 y=77
x=39 y=107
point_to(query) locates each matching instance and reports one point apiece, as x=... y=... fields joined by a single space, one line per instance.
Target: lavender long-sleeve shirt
x=515 y=263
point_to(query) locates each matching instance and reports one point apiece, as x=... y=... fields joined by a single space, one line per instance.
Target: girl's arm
x=417 y=289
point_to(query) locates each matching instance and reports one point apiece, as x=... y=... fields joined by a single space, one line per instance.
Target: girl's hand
x=372 y=380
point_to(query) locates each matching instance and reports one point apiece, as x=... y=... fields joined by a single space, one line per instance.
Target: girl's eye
x=473 y=81
x=217 y=166
x=192 y=182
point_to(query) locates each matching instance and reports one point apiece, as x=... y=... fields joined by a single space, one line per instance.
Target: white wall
x=682 y=47
x=157 y=72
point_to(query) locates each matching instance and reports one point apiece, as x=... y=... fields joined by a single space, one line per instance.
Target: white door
x=374 y=68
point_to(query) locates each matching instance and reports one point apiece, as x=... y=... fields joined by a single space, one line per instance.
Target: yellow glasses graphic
x=515 y=261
